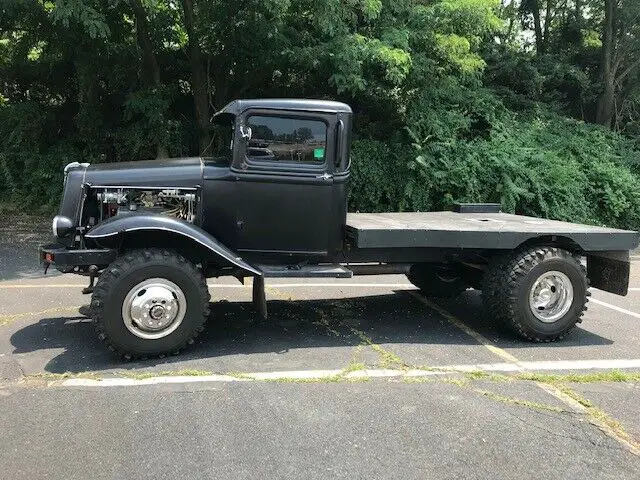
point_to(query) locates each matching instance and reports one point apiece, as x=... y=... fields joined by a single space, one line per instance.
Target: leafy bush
x=546 y=166
x=30 y=167
x=379 y=173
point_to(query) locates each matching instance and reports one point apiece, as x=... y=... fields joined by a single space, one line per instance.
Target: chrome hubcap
x=154 y=308
x=551 y=296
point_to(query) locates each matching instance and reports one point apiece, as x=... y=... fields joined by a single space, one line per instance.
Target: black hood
x=170 y=172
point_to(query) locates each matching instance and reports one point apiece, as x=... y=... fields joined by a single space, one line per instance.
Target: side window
x=283 y=139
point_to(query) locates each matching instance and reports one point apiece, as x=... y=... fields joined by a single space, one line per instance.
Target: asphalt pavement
x=358 y=378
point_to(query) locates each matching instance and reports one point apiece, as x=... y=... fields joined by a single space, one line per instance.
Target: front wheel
x=150 y=302
x=540 y=292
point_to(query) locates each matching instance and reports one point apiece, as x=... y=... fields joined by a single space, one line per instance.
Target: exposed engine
x=104 y=203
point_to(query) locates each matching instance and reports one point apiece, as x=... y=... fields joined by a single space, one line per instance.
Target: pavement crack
x=518 y=401
x=537 y=426
x=324 y=322
x=605 y=422
x=387 y=359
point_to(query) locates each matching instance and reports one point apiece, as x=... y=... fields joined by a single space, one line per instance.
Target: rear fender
x=118 y=226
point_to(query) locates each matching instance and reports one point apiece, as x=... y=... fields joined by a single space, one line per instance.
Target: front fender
x=140 y=222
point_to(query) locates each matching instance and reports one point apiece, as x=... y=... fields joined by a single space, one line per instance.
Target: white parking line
x=342 y=285
x=614 y=307
x=302 y=375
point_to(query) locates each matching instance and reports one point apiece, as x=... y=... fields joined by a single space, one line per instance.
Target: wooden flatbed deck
x=475 y=230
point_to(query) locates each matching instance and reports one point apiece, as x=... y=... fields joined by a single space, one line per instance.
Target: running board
x=305 y=271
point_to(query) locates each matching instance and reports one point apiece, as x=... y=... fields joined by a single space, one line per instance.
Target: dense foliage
x=531 y=103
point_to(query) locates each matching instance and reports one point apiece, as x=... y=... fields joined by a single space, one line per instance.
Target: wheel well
x=552 y=241
x=488 y=256
x=188 y=248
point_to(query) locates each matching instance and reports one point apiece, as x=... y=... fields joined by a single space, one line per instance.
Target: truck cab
x=283 y=197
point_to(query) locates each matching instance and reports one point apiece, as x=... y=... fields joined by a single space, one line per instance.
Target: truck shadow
x=236 y=339
x=20 y=236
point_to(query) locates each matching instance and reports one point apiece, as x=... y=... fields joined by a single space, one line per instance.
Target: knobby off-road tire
x=437 y=281
x=539 y=292
x=137 y=296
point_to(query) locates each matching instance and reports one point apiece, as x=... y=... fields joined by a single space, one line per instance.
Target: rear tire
x=540 y=293
x=438 y=281
x=150 y=302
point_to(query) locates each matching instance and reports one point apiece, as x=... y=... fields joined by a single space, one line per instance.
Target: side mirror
x=245 y=132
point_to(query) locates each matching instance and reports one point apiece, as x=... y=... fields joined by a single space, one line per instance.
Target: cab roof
x=238 y=106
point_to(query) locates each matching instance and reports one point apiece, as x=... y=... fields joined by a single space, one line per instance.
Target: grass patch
x=609 y=376
x=493 y=377
x=189 y=372
x=329 y=379
x=411 y=380
x=573 y=395
x=341 y=376
x=354 y=367
x=63 y=376
x=458 y=381
x=325 y=324
x=517 y=401
x=427 y=368
x=138 y=375
x=338 y=378
x=166 y=373
x=388 y=359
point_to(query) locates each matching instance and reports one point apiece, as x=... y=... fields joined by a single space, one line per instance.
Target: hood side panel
x=182 y=172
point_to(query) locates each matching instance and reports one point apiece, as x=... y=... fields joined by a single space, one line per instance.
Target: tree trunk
x=606 y=101
x=144 y=42
x=606 y=105
x=198 y=76
x=547 y=25
x=537 y=24
x=151 y=71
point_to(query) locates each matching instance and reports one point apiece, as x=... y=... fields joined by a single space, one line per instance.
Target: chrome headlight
x=61 y=226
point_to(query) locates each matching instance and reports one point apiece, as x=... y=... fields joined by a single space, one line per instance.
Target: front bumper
x=66 y=259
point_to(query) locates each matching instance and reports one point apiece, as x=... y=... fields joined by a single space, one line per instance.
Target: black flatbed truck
x=271 y=201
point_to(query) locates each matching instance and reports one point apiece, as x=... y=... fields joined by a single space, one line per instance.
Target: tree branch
x=629 y=69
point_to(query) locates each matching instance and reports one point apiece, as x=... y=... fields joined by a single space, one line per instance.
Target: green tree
x=620 y=61
x=454 y=99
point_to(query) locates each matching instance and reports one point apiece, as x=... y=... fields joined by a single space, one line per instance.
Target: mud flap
x=609 y=271
x=259 y=297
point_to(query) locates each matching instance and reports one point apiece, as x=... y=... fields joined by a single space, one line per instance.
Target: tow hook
x=93 y=272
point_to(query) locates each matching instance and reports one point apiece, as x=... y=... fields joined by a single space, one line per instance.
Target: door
x=284 y=185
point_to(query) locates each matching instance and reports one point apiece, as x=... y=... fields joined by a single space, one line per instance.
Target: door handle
x=325 y=176
x=338 y=159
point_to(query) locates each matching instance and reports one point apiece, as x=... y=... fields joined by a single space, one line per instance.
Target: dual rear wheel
x=539 y=292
